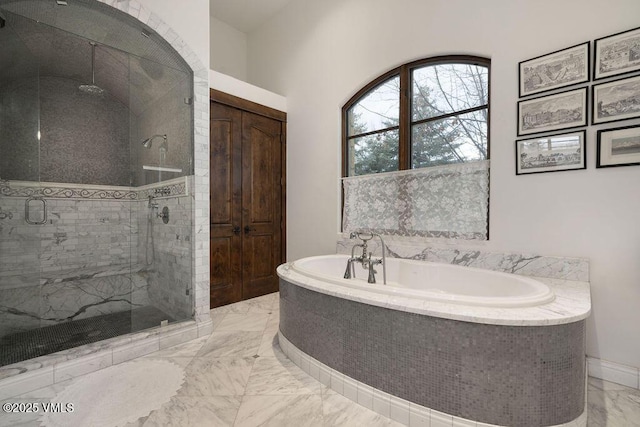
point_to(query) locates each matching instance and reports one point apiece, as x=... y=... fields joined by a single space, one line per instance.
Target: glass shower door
x=21 y=208
x=161 y=159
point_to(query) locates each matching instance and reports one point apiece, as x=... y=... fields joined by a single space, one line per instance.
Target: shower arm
x=93 y=64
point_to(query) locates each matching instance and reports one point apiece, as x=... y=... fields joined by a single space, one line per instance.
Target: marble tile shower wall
x=76 y=265
x=89 y=258
x=168 y=266
x=79 y=234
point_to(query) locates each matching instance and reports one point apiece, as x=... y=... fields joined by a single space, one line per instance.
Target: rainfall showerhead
x=92 y=89
x=147 y=142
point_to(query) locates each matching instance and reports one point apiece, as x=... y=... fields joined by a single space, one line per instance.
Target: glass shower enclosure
x=96 y=149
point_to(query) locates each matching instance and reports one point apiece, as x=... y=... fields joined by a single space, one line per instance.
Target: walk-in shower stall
x=96 y=149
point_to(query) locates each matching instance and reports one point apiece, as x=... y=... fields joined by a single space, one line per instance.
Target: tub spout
x=347 y=272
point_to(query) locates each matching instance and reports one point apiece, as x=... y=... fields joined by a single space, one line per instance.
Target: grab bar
x=27 y=217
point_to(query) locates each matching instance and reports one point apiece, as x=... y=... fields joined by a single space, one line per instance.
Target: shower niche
x=96 y=138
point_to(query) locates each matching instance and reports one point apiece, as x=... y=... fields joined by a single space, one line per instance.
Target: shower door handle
x=27 y=216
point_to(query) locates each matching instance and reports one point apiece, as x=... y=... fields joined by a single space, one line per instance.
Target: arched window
x=432 y=112
x=426 y=113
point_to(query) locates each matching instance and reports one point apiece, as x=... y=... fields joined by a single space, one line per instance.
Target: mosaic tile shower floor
x=50 y=339
x=238 y=376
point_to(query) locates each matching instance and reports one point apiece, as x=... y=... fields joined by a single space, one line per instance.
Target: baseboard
x=614 y=372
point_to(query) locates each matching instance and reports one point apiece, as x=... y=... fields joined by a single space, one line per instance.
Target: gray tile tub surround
x=496 y=374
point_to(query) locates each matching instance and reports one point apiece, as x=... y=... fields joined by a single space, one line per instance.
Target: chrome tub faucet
x=365 y=259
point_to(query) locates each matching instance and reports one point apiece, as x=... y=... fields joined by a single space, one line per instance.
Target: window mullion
x=405 y=114
x=404 y=149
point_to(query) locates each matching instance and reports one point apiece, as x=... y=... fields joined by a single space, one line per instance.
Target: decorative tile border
x=65 y=191
x=173 y=188
x=54 y=190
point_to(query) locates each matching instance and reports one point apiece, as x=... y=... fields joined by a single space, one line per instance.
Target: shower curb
x=33 y=374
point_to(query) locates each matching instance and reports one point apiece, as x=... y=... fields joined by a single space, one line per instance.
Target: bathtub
x=432 y=282
x=440 y=343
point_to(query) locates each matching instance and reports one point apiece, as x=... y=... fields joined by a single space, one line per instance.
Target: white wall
x=244 y=90
x=190 y=23
x=228 y=50
x=317 y=54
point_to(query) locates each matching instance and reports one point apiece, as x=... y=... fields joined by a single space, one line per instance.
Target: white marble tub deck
x=572 y=302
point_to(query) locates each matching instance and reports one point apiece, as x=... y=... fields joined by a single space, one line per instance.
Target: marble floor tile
x=206 y=376
x=116 y=395
x=612 y=404
x=280 y=411
x=269 y=345
x=231 y=344
x=278 y=375
x=22 y=418
x=218 y=411
x=218 y=311
x=239 y=376
x=183 y=362
x=246 y=322
x=188 y=349
x=340 y=411
x=261 y=304
x=274 y=320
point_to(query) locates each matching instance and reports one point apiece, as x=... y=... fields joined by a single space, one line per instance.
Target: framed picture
x=552 y=112
x=562 y=68
x=617 y=54
x=553 y=153
x=617 y=100
x=618 y=147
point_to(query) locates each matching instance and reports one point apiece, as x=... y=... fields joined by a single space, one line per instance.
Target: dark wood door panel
x=225 y=205
x=246 y=218
x=220 y=176
x=260 y=168
x=260 y=263
x=261 y=203
x=226 y=274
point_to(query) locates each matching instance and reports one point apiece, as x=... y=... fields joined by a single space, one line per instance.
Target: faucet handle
x=360 y=234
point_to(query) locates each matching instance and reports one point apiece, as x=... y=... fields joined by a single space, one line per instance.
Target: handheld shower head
x=147 y=142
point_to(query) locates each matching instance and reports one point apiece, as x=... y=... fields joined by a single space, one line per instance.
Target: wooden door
x=261 y=204
x=225 y=200
x=246 y=204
